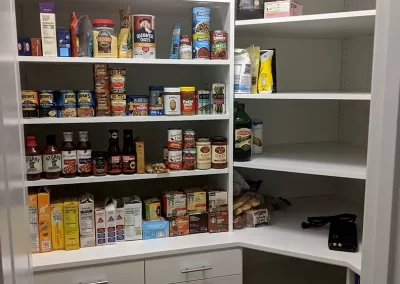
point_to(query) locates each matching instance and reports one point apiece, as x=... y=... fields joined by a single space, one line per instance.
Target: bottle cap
x=83 y=136
x=68 y=136
x=31 y=141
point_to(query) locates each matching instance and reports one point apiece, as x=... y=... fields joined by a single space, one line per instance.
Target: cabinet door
x=119 y=273
x=234 y=279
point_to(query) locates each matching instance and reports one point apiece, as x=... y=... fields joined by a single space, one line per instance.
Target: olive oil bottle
x=242 y=135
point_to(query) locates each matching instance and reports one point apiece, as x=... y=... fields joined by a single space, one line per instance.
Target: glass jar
x=172 y=101
x=99 y=163
x=218 y=152
x=203 y=153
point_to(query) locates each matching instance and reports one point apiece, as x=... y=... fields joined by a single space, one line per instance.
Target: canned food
x=30 y=103
x=188 y=98
x=85 y=103
x=203 y=102
x=103 y=106
x=219 y=45
x=185 y=47
x=137 y=105
x=201 y=17
x=188 y=139
x=48 y=104
x=101 y=81
x=144 y=38
x=203 y=153
x=165 y=155
x=66 y=104
x=189 y=159
x=172 y=101
x=174 y=139
x=175 y=160
x=201 y=46
x=156 y=106
x=118 y=104
x=117 y=76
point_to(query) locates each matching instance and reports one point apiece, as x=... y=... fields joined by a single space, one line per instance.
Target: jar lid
x=188 y=89
x=257 y=121
x=219 y=139
x=172 y=90
x=203 y=139
x=103 y=22
x=156 y=88
x=100 y=154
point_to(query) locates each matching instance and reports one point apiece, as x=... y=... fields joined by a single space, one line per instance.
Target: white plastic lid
x=172 y=90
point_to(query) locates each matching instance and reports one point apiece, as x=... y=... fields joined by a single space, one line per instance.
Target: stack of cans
x=201 y=20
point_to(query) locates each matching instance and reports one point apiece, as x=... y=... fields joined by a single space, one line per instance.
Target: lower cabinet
x=234 y=279
x=118 y=273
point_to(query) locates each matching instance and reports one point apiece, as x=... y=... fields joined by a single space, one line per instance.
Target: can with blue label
x=66 y=106
x=47 y=103
x=156 y=106
x=201 y=17
x=85 y=103
x=201 y=46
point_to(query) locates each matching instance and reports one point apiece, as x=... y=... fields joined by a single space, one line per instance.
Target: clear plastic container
x=104 y=39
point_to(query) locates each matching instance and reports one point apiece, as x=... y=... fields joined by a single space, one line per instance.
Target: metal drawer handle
x=187 y=270
x=96 y=282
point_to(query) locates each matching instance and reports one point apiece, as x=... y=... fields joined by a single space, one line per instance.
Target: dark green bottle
x=242 y=135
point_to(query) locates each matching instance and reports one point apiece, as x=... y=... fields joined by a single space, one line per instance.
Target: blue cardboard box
x=156 y=229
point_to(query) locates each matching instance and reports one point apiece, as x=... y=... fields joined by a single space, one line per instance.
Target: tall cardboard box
x=133 y=218
x=33 y=221
x=120 y=220
x=110 y=208
x=48 y=28
x=140 y=163
x=57 y=224
x=100 y=219
x=86 y=221
x=44 y=219
x=71 y=223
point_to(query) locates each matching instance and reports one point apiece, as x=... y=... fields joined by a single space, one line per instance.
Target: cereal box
x=86 y=221
x=198 y=223
x=155 y=229
x=48 y=28
x=57 y=224
x=100 y=219
x=71 y=223
x=133 y=218
x=110 y=208
x=120 y=221
x=178 y=226
x=152 y=209
x=173 y=203
x=33 y=221
x=196 y=200
x=44 y=219
x=218 y=222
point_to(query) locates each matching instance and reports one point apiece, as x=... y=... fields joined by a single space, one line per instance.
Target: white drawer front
x=120 y=273
x=189 y=267
x=235 y=279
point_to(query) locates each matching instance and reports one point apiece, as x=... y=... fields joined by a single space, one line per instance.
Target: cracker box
x=33 y=221
x=120 y=221
x=48 y=28
x=86 y=221
x=110 y=208
x=155 y=229
x=152 y=209
x=178 y=226
x=100 y=220
x=71 y=223
x=196 y=200
x=173 y=203
x=133 y=218
x=218 y=222
x=198 y=223
x=44 y=219
x=140 y=166
x=284 y=8
x=57 y=225
x=217 y=200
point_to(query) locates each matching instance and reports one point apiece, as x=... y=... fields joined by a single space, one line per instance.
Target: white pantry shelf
x=111 y=178
x=331 y=25
x=285 y=236
x=122 y=119
x=307 y=96
x=41 y=59
x=326 y=159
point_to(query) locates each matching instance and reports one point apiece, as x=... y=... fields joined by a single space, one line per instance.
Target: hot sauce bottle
x=84 y=153
x=51 y=159
x=128 y=154
x=33 y=159
x=114 y=154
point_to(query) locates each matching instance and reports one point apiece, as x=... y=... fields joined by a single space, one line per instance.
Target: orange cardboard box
x=44 y=219
x=33 y=221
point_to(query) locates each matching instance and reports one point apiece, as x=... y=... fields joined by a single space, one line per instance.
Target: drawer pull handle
x=96 y=282
x=187 y=270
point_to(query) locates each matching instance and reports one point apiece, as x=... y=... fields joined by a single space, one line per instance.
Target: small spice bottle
x=203 y=153
x=99 y=163
x=188 y=100
x=218 y=150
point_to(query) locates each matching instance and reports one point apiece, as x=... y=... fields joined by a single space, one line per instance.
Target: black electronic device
x=342 y=231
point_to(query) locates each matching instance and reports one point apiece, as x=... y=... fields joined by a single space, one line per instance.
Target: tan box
x=133 y=218
x=57 y=225
x=44 y=219
x=33 y=221
x=36 y=46
x=71 y=223
x=140 y=167
x=217 y=200
x=196 y=200
x=86 y=221
x=152 y=209
x=173 y=203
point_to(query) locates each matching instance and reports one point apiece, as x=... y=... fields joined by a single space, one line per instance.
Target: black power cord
x=316 y=222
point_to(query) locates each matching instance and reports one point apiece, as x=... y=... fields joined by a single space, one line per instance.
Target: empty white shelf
x=327 y=159
x=330 y=25
x=307 y=96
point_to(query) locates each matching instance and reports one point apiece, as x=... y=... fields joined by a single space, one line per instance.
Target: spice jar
x=99 y=163
x=203 y=153
x=218 y=152
x=188 y=97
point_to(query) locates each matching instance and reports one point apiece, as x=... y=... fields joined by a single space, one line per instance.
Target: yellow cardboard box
x=33 y=220
x=71 y=221
x=44 y=219
x=57 y=225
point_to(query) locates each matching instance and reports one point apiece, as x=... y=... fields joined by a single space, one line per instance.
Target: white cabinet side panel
x=354 y=122
x=355 y=5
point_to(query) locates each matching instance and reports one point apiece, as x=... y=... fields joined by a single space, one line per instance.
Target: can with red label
x=189 y=159
x=185 y=47
x=189 y=139
x=219 y=45
x=174 y=139
x=144 y=37
x=175 y=160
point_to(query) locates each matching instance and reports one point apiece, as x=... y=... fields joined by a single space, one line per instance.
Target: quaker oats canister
x=144 y=37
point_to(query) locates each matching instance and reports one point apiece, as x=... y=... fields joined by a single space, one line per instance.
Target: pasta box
x=178 y=226
x=218 y=222
x=155 y=229
x=198 y=223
